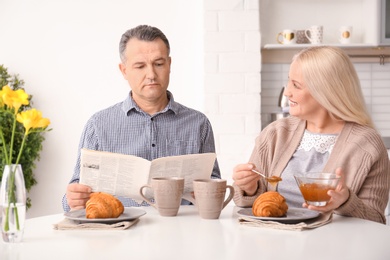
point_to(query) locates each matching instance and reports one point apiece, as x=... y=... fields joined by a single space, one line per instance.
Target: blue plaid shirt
x=124 y=128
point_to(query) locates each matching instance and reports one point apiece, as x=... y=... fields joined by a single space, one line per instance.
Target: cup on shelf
x=167 y=193
x=344 y=34
x=315 y=34
x=287 y=37
x=301 y=37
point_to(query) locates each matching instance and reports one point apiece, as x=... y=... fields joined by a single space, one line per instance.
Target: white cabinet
x=363 y=15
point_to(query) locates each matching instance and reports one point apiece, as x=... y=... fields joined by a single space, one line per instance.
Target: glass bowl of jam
x=314 y=186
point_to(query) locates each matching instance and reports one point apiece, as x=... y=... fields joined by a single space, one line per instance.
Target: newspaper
x=123 y=175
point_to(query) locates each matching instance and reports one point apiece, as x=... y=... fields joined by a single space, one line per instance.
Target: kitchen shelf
x=278 y=53
x=302 y=46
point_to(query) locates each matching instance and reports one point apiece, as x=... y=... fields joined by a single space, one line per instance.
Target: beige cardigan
x=359 y=150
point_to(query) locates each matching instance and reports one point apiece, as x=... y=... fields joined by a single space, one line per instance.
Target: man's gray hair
x=143 y=33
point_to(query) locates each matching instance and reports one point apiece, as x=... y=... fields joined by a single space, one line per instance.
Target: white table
x=187 y=236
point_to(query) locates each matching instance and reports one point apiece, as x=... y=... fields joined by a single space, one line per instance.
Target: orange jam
x=273 y=180
x=315 y=192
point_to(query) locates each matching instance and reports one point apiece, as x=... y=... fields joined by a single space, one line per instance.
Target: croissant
x=270 y=204
x=103 y=205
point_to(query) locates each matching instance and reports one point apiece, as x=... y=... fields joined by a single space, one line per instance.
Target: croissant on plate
x=103 y=205
x=270 y=204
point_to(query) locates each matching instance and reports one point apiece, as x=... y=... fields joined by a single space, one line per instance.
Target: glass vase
x=13 y=203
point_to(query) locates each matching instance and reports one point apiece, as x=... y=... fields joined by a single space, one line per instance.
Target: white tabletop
x=187 y=236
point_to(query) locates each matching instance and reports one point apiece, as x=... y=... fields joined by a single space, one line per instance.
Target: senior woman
x=329 y=130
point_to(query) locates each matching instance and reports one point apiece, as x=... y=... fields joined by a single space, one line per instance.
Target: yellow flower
x=32 y=119
x=13 y=98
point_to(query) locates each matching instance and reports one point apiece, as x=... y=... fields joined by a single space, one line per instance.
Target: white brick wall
x=232 y=78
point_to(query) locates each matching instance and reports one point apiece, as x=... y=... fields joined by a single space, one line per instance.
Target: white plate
x=294 y=215
x=128 y=214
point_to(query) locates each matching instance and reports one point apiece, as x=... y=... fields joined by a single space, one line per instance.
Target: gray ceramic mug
x=210 y=197
x=167 y=193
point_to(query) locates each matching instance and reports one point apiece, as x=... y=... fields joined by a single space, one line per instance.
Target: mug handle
x=143 y=196
x=231 y=194
x=189 y=197
x=308 y=37
x=277 y=38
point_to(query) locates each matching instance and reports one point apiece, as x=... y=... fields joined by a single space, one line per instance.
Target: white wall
x=232 y=78
x=67 y=53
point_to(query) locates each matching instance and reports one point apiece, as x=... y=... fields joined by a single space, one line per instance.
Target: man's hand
x=77 y=195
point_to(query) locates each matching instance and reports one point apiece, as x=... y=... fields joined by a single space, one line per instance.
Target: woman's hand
x=245 y=179
x=337 y=197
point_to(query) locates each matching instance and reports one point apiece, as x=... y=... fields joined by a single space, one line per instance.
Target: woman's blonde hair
x=332 y=80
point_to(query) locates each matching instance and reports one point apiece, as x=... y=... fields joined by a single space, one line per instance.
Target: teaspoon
x=271 y=180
